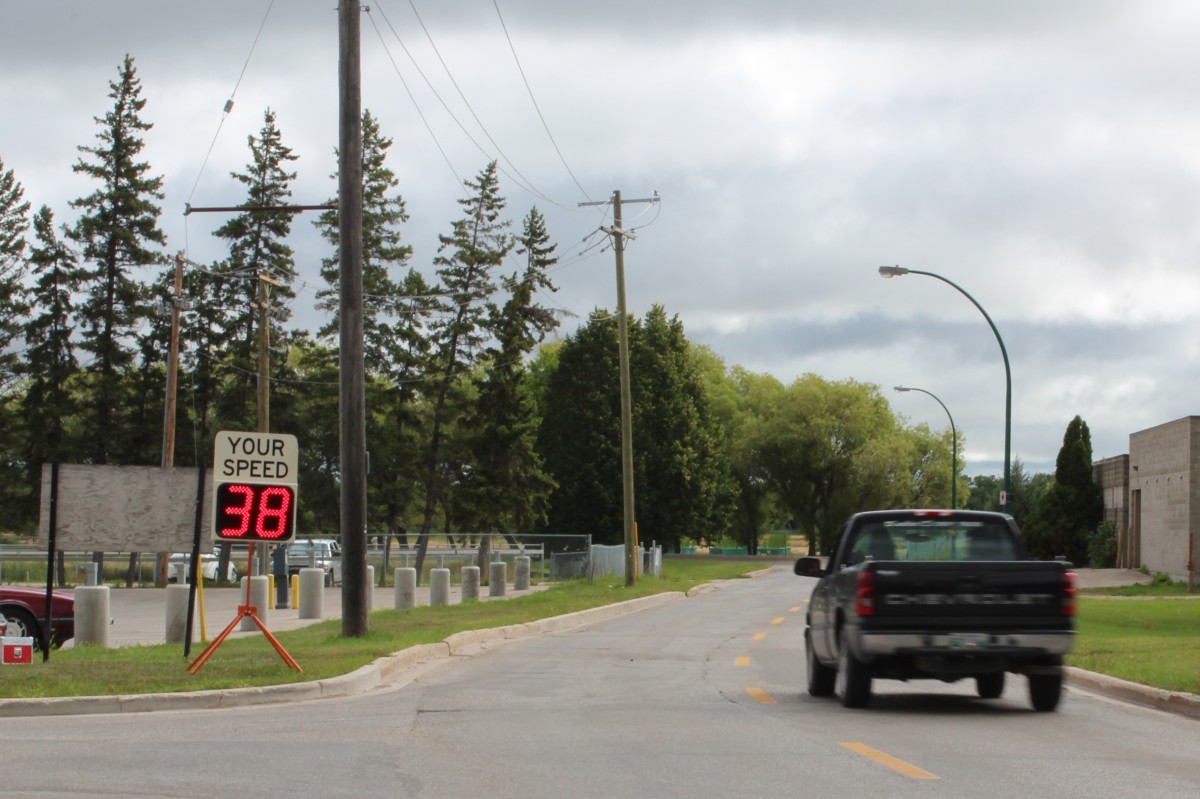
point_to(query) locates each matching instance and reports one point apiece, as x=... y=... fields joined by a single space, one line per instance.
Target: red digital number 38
x=254 y=512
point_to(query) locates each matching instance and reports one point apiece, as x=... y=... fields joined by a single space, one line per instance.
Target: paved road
x=699 y=697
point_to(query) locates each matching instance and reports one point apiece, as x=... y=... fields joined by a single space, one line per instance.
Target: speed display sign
x=255 y=486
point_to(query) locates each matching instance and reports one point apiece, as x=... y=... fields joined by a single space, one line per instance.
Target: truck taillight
x=1069 y=593
x=864 y=597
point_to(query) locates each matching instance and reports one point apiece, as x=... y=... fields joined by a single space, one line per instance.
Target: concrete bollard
x=312 y=593
x=439 y=587
x=176 y=620
x=497 y=578
x=260 y=598
x=470 y=583
x=91 y=615
x=521 y=573
x=406 y=587
x=370 y=588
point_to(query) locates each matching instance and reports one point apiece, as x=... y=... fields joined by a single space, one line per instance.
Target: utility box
x=15 y=651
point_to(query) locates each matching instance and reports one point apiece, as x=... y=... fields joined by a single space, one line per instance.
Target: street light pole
x=896 y=271
x=953 y=445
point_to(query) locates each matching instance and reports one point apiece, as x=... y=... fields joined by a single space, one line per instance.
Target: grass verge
x=320 y=649
x=1155 y=642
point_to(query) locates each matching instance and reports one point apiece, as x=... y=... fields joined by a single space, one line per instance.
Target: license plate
x=969 y=640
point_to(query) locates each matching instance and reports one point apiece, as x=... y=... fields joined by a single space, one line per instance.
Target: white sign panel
x=271 y=458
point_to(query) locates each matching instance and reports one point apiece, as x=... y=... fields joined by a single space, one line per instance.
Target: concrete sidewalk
x=139 y=614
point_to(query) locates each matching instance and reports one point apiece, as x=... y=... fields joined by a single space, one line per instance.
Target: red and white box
x=15 y=651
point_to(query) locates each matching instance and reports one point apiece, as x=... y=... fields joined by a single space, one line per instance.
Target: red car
x=26 y=607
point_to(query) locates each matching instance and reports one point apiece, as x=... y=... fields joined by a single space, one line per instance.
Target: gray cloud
x=1039 y=154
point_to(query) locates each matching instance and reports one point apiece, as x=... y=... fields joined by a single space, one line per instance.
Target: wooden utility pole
x=630 y=523
x=352 y=377
x=265 y=281
x=162 y=559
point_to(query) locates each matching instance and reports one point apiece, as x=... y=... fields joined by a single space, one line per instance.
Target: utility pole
x=265 y=281
x=162 y=559
x=619 y=235
x=352 y=432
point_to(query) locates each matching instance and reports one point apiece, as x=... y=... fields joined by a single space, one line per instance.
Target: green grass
x=1154 y=642
x=320 y=649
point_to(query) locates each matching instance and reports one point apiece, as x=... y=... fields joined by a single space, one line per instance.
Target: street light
x=896 y=271
x=953 y=445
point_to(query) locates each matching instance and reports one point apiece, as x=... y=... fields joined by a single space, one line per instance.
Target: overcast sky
x=1043 y=155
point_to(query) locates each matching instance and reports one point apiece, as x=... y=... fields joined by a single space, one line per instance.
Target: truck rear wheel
x=820 y=676
x=1045 y=690
x=853 y=685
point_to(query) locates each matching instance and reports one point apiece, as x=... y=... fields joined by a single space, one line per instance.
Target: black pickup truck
x=936 y=594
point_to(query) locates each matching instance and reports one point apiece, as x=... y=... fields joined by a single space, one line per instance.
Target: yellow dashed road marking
x=742 y=661
x=760 y=696
x=907 y=769
x=795 y=610
x=759 y=636
x=777 y=620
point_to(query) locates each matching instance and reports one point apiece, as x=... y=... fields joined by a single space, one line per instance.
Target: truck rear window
x=932 y=540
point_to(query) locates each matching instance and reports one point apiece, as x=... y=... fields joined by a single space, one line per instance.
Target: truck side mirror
x=809 y=567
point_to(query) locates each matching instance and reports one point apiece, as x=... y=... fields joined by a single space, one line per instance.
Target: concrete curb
x=1177 y=702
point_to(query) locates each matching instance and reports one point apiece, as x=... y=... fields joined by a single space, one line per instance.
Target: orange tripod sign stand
x=254 y=501
x=245 y=610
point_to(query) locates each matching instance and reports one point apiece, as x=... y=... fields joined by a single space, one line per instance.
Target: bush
x=1161 y=578
x=1102 y=546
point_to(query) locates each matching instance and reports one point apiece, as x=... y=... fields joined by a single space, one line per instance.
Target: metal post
x=893 y=271
x=953 y=445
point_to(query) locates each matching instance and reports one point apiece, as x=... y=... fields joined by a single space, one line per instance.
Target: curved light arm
x=896 y=271
x=953 y=444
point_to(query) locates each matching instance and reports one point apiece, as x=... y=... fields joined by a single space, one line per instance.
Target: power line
x=229 y=103
x=519 y=179
x=536 y=107
x=408 y=91
x=463 y=97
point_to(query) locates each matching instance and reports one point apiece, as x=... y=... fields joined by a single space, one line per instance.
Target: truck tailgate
x=980 y=596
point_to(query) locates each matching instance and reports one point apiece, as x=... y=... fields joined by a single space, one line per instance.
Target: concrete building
x=1157 y=509
x=1112 y=475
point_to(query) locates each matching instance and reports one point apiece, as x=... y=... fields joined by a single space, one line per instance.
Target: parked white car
x=179 y=567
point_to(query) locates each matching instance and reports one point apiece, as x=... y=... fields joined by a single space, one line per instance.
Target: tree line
x=475 y=422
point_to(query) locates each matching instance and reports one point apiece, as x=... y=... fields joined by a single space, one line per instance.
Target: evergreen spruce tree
x=1072 y=507
x=466 y=262
x=394 y=317
x=258 y=252
x=682 y=471
x=14 y=222
x=580 y=435
x=382 y=251
x=116 y=234
x=207 y=365
x=509 y=488
x=50 y=364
